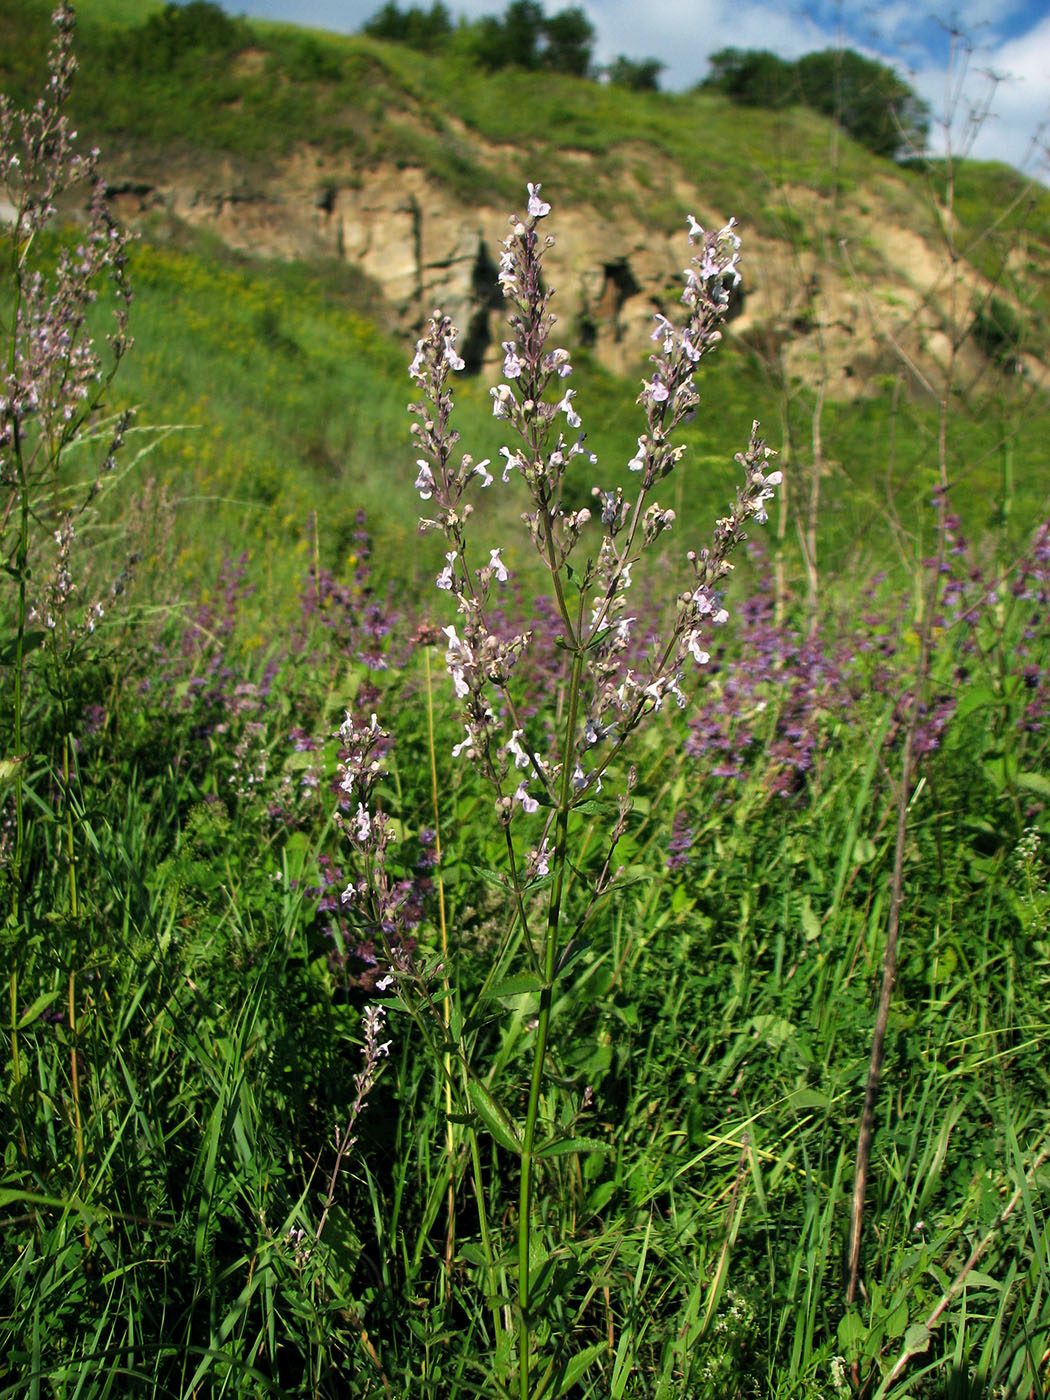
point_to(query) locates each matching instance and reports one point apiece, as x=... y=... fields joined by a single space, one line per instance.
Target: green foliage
x=866 y=98
x=180 y=36
x=568 y=40
x=421 y=29
x=752 y=77
x=523 y=37
x=639 y=75
x=1000 y=331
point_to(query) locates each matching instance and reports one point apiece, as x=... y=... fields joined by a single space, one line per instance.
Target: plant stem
x=542 y=1031
x=446 y=990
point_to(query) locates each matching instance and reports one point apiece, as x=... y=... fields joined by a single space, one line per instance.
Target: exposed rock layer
x=854 y=296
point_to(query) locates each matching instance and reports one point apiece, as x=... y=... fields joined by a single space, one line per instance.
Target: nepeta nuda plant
x=53 y=383
x=540 y=770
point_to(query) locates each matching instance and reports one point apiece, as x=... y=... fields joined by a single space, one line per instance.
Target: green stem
x=542 y=1033
x=74 y=909
x=446 y=989
x=18 y=856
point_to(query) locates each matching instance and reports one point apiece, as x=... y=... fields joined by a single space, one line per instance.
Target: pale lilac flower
x=457 y=657
x=558 y=362
x=445 y=578
x=692 y=640
x=506 y=276
x=766 y=493
x=497 y=564
x=572 y=417
x=362 y=823
x=464 y=744
x=512 y=364
x=425 y=479
x=537 y=862
x=664 y=328
x=479 y=470
x=702 y=603
x=581 y=780
x=513 y=747
x=451 y=358
x=538 y=208
x=502 y=400
x=528 y=804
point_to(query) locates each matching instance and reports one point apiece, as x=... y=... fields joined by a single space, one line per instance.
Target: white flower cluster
x=618 y=677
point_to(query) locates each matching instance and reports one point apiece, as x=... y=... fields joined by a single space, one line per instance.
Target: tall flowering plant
x=616 y=675
x=54 y=380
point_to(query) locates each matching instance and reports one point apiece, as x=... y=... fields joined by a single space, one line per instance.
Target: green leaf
x=472 y=1253
x=579 y=1363
x=633 y=875
x=41 y=1004
x=561 y=1147
x=495 y=1117
x=515 y=986
x=811 y=926
x=1034 y=782
x=601 y=1196
x=809 y=1098
x=917 y=1338
x=851 y=1333
x=596 y=807
x=775 y=1030
x=976 y=699
x=30 y=642
x=492 y=877
x=9 y=768
x=897 y=1321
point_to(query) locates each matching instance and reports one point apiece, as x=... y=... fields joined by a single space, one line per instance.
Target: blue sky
x=1007 y=38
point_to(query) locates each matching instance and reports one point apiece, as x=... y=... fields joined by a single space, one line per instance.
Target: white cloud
x=684 y=33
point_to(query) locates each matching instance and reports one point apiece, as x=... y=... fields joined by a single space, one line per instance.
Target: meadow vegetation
x=401 y=1056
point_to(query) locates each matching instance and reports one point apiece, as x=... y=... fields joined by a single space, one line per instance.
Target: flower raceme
x=618 y=670
x=621 y=677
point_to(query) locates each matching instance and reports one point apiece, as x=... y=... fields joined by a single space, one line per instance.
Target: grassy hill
x=213 y=326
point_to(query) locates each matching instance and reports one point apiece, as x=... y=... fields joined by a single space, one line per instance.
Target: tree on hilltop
x=523 y=37
x=419 y=28
x=638 y=74
x=869 y=100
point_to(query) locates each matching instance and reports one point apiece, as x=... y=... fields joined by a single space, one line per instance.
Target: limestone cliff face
x=840 y=305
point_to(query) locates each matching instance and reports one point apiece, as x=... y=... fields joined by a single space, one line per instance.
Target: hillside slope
x=299 y=144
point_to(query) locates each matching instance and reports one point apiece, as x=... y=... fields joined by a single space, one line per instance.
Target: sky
x=1003 y=58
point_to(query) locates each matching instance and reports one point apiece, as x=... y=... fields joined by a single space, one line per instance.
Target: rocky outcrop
x=845 y=309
